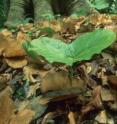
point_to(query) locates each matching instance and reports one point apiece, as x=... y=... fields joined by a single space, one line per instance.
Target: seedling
x=82 y=48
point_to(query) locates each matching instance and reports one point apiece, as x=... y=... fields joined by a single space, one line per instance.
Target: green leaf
x=91 y=43
x=53 y=50
x=100 y=4
x=80 y=49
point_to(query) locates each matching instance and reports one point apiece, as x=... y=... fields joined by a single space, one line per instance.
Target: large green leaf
x=80 y=49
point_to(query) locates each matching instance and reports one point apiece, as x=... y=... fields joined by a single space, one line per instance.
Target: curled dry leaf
x=16 y=62
x=31 y=73
x=32 y=90
x=49 y=116
x=10 y=47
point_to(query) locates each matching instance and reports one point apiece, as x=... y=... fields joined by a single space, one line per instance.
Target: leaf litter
x=37 y=92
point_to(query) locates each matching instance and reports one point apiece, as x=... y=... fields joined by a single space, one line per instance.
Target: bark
x=44 y=9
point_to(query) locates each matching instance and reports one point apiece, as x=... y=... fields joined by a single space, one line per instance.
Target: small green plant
x=83 y=48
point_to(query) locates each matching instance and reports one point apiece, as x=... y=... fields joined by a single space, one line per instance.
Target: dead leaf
x=23 y=117
x=7 y=106
x=16 y=62
x=32 y=74
x=14 y=49
x=60 y=80
x=10 y=47
x=112 y=80
x=106 y=95
x=32 y=90
x=6 y=33
x=4 y=78
x=71 y=118
x=21 y=36
x=101 y=117
x=94 y=103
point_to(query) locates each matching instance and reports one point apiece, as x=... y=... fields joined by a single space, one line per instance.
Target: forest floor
x=92 y=101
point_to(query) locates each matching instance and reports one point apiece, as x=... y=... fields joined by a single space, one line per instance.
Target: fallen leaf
x=21 y=36
x=32 y=74
x=6 y=33
x=94 y=103
x=10 y=47
x=101 y=117
x=106 y=95
x=23 y=117
x=16 y=62
x=112 y=80
x=59 y=80
x=7 y=106
x=71 y=118
x=4 y=78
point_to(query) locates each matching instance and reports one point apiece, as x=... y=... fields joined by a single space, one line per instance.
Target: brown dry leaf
x=3 y=44
x=71 y=118
x=14 y=49
x=101 y=117
x=43 y=73
x=95 y=103
x=16 y=62
x=31 y=73
x=23 y=117
x=59 y=80
x=4 y=78
x=107 y=95
x=10 y=47
x=54 y=24
x=21 y=36
x=32 y=90
x=26 y=28
x=6 y=33
x=7 y=106
x=100 y=19
x=48 y=116
x=112 y=81
x=112 y=27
